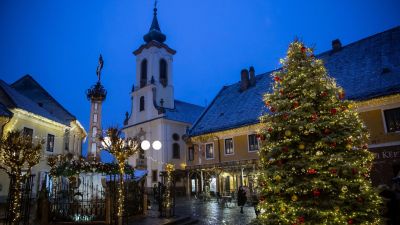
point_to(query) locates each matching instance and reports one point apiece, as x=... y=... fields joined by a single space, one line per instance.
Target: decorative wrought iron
x=77 y=199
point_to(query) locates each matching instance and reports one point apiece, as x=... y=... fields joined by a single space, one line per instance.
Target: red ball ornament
x=277 y=79
x=285 y=116
x=285 y=149
x=350 y=221
x=354 y=171
x=272 y=109
x=311 y=171
x=295 y=104
x=327 y=131
x=303 y=49
x=341 y=95
x=269 y=129
x=314 y=117
x=333 y=111
x=333 y=144
x=333 y=171
x=316 y=193
x=301 y=219
x=324 y=94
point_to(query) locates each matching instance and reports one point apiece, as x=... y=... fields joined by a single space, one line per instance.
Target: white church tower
x=155 y=113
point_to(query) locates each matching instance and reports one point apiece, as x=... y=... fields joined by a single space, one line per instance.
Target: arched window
x=176 y=151
x=163 y=72
x=94 y=132
x=143 y=73
x=141 y=105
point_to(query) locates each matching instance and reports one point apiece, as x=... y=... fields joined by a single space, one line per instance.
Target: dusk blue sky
x=58 y=42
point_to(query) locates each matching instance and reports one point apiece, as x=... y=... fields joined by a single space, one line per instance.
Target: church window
x=191 y=153
x=94 y=147
x=176 y=151
x=141 y=104
x=163 y=72
x=175 y=136
x=143 y=73
x=95 y=106
x=95 y=118
x=66 y=140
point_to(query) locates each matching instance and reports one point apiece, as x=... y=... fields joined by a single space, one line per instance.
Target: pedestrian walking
x=241 y=198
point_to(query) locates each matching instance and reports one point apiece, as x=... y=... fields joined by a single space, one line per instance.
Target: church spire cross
x=154 y=33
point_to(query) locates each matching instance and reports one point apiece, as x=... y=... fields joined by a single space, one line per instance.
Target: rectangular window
x=66 y=140
x=94 y=148
x=95 y=106
x=253 y=143
x=210 y=151
x=154 y=174
x=50 y=143
x=95 y=118
x=28 y=132
x=191 y=153
x=392 y=119
x=229 y=146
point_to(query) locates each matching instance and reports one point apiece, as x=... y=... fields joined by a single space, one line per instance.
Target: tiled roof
x=20 y=101
x=31 y=89
x=4 y=112
x=184 y=112
x=366 y=69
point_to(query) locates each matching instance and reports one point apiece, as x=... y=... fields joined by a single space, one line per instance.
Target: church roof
x=366 y=69
x=11 y=98
x=184 y=112
x=31 y=89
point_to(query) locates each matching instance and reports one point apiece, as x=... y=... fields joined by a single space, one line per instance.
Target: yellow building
x=222 y=154
x=25 y=105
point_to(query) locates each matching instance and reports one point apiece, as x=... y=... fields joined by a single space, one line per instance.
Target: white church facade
x=155 y=113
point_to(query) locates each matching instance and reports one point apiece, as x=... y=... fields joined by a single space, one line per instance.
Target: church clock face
x=175 y=137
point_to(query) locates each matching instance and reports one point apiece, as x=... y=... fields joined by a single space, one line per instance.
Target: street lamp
x=145 y=145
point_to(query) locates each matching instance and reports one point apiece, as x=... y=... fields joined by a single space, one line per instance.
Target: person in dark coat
x=241 y=198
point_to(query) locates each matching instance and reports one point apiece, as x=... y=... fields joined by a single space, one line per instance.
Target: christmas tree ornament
x=311 y=171
x=288 y=133
x=316 y=193
x=349 y=147
x=344 y=189
x=295 y=104
x=301 y=146
x=350 y=221
x=333 y=111
x=294 y=198
x=285 y=149
x=277 y=178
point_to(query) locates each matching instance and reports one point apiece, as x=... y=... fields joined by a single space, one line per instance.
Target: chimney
x=244 y=81
x=336 y=45
x=252 y=76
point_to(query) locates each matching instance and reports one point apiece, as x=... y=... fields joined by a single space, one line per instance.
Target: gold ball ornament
x=278 y=178
x=288 y=133
x=344 y=189
x=348 y=147
x=301 y=146
x=294 y=198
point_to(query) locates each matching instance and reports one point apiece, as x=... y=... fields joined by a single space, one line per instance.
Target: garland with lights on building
x=315 y=163
x=17 y=153
x=67 y=166
x=121 y=149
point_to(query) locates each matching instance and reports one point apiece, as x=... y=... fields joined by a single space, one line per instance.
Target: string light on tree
x=314 y=159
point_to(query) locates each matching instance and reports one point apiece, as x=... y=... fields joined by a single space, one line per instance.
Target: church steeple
x=154 y=33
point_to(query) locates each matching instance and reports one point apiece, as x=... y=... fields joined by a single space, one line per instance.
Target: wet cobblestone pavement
x=213 y=213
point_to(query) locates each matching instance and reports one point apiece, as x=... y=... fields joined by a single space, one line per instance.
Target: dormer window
x=141 y=104
x=143 y=73
x=163 y=73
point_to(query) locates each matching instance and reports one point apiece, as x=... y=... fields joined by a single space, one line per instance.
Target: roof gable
x=31 y=89
x=20 y=101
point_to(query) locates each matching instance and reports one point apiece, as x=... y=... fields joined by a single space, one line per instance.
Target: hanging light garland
x=17 y=152
x=170 y=168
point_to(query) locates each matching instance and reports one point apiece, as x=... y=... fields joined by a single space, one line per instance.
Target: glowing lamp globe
x=145 y=145
x=157 y=145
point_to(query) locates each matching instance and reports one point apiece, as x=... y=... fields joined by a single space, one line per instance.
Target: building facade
x=155 y=113
x=223 y=142
x=25 y=105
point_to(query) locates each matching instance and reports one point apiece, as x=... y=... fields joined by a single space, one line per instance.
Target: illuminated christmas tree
x=314 y=155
